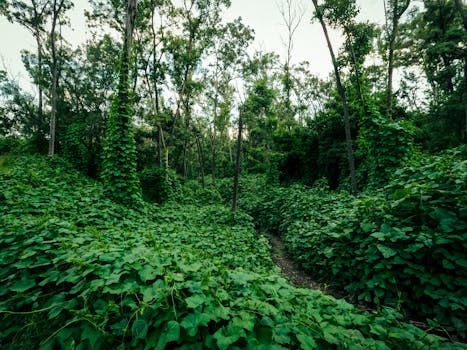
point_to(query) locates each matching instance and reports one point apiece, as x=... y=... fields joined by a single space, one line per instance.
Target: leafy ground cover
x=403 y=246
x=81 y=272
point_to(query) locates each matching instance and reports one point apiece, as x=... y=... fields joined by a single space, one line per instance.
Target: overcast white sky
x=262 y=15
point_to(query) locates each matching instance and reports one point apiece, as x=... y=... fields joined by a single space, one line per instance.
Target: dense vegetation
x=82 y=272
x=403 y=246
x=175 y=149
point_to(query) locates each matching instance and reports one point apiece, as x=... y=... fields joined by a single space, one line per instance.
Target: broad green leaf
x=170 y=333
x=22 y=285
x=193 y=321
x=226 y=336
x=140 y=328
x=386 y=251
x=307 y=342
x=195 y=300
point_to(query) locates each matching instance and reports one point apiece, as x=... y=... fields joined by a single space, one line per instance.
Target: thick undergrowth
x=81 y=272
x=402 y=246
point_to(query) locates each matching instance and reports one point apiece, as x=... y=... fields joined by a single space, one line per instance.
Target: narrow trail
x=293 y=273
x=299 y=278
x=289 y=269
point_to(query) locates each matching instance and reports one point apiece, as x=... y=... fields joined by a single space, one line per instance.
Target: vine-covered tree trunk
x=119 y=165
x=345 y=105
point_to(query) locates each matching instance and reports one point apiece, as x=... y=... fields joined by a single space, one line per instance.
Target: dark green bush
x=10 y=144
x=157 y=185
x=74 y=148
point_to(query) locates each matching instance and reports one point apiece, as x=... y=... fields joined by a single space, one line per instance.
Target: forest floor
x=294 y=274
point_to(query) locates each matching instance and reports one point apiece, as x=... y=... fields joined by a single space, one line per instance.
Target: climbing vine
x=119 y=163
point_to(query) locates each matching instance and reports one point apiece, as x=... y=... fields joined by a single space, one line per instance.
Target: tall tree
x=238 y=159
x=292 y=15
x=58 y=7
x=462 y=9
x=394 y=9
x=436 y=36
x=32 y=16
x=343 y=8
x=197 y=21
x=228 y=51
x=119 y=165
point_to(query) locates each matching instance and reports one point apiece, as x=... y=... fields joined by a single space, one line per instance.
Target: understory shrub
x=158 y=185
x=10 y=144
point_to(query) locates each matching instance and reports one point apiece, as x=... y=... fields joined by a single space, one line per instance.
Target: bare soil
x=293 y=273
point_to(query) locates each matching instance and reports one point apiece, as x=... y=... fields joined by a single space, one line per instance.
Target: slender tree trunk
x=159 y=149
x=39 y=72
x=53 y=117
x=392 y=41
x=214 y=156
x=201 y=161
x=463 y=13
x=185 y=167
x=342 y=94
x=397 y=12
x=213 y=141
x=230 y=152
x=237 y=163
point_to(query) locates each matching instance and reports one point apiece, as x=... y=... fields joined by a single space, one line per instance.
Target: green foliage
x=193 y=193
x=74 y=148
x=10 y=144
x=404 y=249
x=384 y=145
x=80 y=271
x=119 y=154
x=158 y=185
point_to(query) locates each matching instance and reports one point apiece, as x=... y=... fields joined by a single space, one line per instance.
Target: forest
x=167 y=185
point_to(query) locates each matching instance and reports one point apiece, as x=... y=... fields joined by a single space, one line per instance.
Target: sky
x=261 y=15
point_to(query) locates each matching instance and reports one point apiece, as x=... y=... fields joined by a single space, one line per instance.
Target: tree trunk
x=342 y=94
x=214 y=157
x=396 y=16
x=201 y=161
x=53 y=117
x=159 y=149
x=237 y=163
x=39 y=72
x=463 y=13
x=392 y=41
x=213 y=141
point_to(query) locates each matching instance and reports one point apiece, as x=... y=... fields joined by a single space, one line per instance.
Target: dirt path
x=293 y=273
x=299 y=278
x=289 y=269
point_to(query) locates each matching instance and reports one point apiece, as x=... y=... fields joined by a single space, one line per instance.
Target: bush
x=157 y=185
x=10 y=144
x=74 y=148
